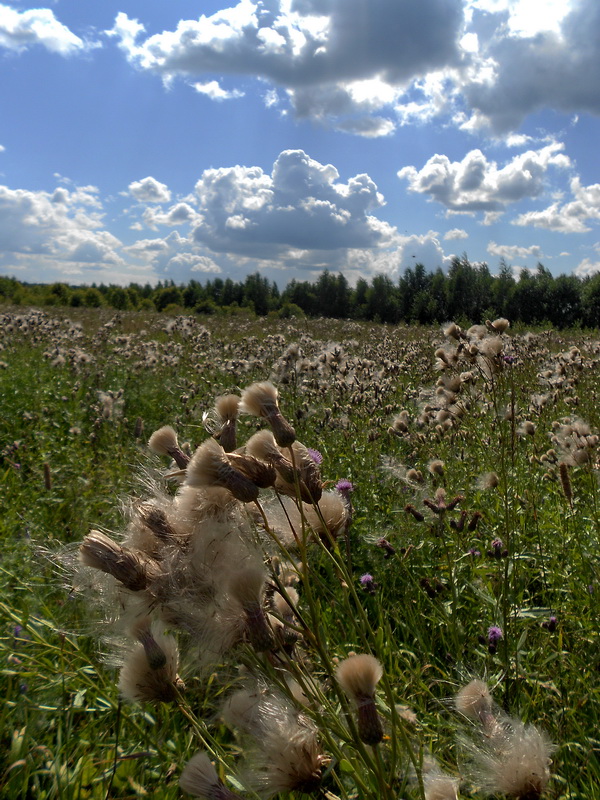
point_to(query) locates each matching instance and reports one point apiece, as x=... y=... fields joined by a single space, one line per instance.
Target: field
x=461 y=544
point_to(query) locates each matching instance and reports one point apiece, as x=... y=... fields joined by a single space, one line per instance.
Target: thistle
x=358 y=676
x=261 y=400
x=164 y=442
x=210 y=467
x=199 y=778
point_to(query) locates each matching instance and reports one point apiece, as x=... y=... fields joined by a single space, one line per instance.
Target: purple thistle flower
x=473 y=551
x=494 y=636
x=315 y=455
x=368 y=583
x=344 y=487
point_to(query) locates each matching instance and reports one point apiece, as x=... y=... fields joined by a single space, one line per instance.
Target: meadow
x=440 y=521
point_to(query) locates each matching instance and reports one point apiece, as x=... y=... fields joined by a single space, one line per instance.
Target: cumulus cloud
x=587 y=268
x=477 y=184
x=301 y=205
x=497 y=61
x=571 y=217
x=22 y=29
x=321 y=53
x=456 y=233
x=519 y=71
x=214 y=91
x=511 y=252
x=149 y=190
x=175 y=256
x=64 y=225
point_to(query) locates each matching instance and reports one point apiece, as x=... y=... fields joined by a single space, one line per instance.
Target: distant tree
x=118 y=298
x=166 y=296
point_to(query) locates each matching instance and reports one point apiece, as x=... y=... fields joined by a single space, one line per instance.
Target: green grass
x=65 y=732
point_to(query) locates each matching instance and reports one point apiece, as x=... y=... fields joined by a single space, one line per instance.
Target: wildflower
x=210 y=467
x=344 y=487
x=565 y=482
x=358 y=676
x=368 y=583
x=199 y=778
x=261 y=400
x=164 y=442
x=131 y=568
x=436 y=467
x=473 y=551
x=497 y=549
x=143 y=681
x=247 y=586
x=550 y=624
x=227 y=408
x=474 y=521
x=332 y=520
x=494 y=636
x=514 y=761
x=315 y=455
x=474 y=701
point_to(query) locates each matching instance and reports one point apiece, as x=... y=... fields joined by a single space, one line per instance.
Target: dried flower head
x=164 y=442
x=247 y=587
x=145 y=682
x=227 y=408
x=210 y=467
x=199 y=778
x=131 y=568
x=261 y=400
x=358 y=676
x=474 y=701
x=515 y=761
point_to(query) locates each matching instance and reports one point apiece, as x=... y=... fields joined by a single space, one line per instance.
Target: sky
x=194 y=139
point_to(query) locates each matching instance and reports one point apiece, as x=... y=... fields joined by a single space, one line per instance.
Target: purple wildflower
x=494 y=636
x=315 y=455
x=473 y=551
x=497 y=549
x=368 y=583
x=344 y=487
x=550 y=624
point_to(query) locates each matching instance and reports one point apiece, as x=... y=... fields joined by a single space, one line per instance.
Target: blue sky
x=147 y=140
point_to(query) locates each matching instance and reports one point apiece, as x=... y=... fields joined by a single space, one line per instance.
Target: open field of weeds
x=406 y=605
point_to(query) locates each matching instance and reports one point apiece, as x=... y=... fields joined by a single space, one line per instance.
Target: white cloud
x=511 y=252
x=533 y=59
x=149 y=190
x=63 y=225
x=179 y=214
x=587 y=268
x=476 y=184
x=456 y=233
x=214 y=91
x=480 y=63
x=174 y=256
x=301 y=205
x=2 y=148
x=323 y=54
x=22 y=29
x=571 y=217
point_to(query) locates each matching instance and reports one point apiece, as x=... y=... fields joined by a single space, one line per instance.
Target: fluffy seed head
x=210 y=467
x=199 y=778
x=140 y=682
x=474 y=700
x=359 y=675
x=131 y=568
x=261 y=400
x=164 y=442
x=515 y=763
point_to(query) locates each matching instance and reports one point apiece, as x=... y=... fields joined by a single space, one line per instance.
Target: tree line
x=466 y=291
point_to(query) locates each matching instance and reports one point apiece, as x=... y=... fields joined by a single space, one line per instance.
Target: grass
x=71 y=457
